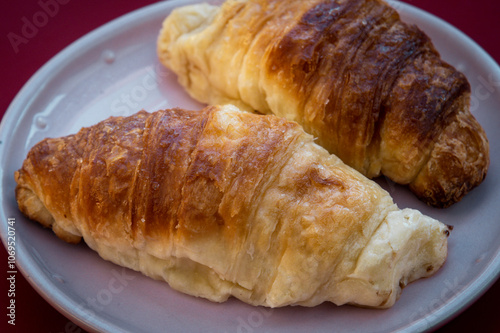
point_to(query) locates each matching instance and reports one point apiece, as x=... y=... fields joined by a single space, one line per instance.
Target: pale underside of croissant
x=371 y=88
x=223 y=203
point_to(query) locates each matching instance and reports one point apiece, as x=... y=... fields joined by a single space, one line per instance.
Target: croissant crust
x=223 y=203
x=372 y=89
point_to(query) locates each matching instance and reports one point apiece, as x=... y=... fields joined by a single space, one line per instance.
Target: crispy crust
x=223 y=203
x=372 y=89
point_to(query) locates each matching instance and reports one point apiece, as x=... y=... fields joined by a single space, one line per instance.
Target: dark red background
x=74 y=18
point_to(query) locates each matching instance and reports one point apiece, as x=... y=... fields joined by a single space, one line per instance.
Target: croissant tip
x=438 y=196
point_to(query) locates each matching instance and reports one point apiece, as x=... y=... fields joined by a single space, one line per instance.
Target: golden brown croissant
x=371 y=88
x=220 y=202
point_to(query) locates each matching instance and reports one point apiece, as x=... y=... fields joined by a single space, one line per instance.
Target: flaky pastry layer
x=222 y=203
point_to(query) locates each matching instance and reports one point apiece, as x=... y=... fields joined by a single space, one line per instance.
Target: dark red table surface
x=71 y=19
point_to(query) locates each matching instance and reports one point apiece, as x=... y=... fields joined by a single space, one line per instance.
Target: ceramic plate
x=114 y=71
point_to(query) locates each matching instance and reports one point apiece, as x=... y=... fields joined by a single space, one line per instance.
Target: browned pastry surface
x=372 y=89
x=222 y=203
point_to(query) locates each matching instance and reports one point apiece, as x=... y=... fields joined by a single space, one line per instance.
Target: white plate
x=114 y=71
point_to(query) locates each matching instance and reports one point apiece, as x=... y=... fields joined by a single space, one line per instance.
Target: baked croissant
x=222 y=203
x=371 y=88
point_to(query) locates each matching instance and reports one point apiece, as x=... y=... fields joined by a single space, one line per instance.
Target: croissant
x=372 y=89
x=221 y=202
